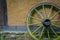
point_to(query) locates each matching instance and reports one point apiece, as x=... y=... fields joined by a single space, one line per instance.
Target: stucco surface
x=18 y=9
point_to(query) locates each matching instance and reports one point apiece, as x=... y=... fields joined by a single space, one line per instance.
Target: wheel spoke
x=54 y=31
x=50 y=11
x=39 y=13
x=55 y=25
x=48 y=35
x=37 y=29
x=55 y=15
x=35 y=23
x=44 y=13
x=56 y=20
x=30 y=31
x=35 y=18
x=32 y=35
x=41 y=34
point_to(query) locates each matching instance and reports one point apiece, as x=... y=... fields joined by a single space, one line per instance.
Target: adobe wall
x=18 y=9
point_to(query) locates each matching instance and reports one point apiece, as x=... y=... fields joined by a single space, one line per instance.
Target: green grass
x=58 y=38
x=7 y=36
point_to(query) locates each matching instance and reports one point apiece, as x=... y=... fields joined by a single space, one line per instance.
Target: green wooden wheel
x=43 y=21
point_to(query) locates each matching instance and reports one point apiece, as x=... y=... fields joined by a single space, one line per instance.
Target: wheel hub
x=46 y=22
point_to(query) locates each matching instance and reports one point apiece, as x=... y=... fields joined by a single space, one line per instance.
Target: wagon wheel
x=43 y=21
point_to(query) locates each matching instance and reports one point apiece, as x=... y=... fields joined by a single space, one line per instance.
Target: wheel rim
x=41 y=22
